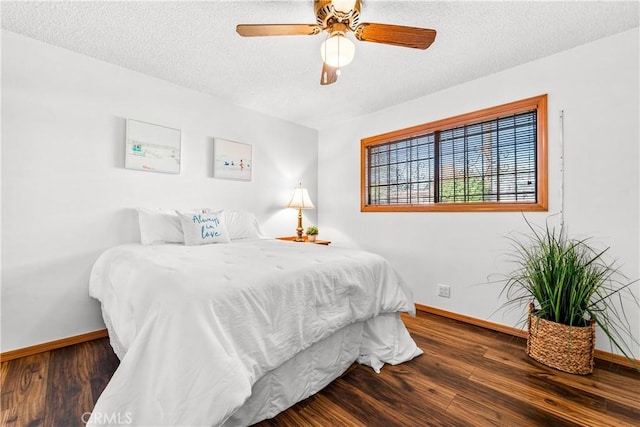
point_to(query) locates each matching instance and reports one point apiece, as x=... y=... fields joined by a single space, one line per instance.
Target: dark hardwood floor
x=468 y=376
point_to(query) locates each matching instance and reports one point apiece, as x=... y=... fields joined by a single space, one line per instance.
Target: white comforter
x=196 y=327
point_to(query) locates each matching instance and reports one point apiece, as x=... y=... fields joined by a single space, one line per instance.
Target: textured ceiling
x=194 y=44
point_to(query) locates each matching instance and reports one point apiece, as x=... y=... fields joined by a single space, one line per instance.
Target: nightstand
x=293 y=238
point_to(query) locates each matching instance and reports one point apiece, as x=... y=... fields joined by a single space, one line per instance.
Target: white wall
x=66 y=195
x=597 y=87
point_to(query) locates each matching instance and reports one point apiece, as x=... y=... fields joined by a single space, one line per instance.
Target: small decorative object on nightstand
x=300 y=200
x=312 y=233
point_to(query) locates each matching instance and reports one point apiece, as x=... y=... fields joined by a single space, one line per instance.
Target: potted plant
x=573 y=289
x=312 y=232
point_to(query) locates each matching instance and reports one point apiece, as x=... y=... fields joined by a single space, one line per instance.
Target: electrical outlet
x=444 y=291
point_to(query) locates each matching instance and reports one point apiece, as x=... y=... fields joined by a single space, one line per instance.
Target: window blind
x=487 y=161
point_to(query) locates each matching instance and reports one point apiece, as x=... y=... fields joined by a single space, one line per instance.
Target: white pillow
x=158 y=226
x=240 y=224
x=203 y=228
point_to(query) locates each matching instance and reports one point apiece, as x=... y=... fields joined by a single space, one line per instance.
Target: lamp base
x=299 y=237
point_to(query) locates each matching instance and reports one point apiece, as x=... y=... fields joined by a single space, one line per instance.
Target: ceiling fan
x=337 y=18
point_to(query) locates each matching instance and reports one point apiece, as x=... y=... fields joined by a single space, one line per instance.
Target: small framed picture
x=152 y=147
x=232 y=160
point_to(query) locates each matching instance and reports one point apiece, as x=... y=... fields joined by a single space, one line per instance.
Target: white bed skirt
x=300 y=377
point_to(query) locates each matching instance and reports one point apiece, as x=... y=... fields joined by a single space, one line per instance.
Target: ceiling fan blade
x=329 y=75
x=256 y=30
x=397 y=35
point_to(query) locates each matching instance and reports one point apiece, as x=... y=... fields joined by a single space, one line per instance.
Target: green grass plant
x=572 y=283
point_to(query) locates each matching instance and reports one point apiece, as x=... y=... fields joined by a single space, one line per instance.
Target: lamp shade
x=337 y=51
x=300 y=199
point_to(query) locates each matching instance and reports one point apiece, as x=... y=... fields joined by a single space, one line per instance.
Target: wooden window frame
x=539 y=103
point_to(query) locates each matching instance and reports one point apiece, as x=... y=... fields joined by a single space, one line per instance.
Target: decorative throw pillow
x=203 y=228
x=158 y=226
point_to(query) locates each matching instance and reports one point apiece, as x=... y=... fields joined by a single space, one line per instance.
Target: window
x=489 y=160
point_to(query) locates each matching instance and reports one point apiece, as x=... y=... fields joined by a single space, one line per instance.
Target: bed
x=231 y=334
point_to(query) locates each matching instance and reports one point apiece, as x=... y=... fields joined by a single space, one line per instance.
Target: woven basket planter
x=566 y=348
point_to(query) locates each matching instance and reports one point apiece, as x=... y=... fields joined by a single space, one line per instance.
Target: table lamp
x=300 y=200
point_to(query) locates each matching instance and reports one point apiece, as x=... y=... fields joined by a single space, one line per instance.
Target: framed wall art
x=232 y=160
x=152 y=147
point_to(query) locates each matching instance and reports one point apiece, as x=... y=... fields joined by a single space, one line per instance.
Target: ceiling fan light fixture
x=343 y=6
x=337 y=51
